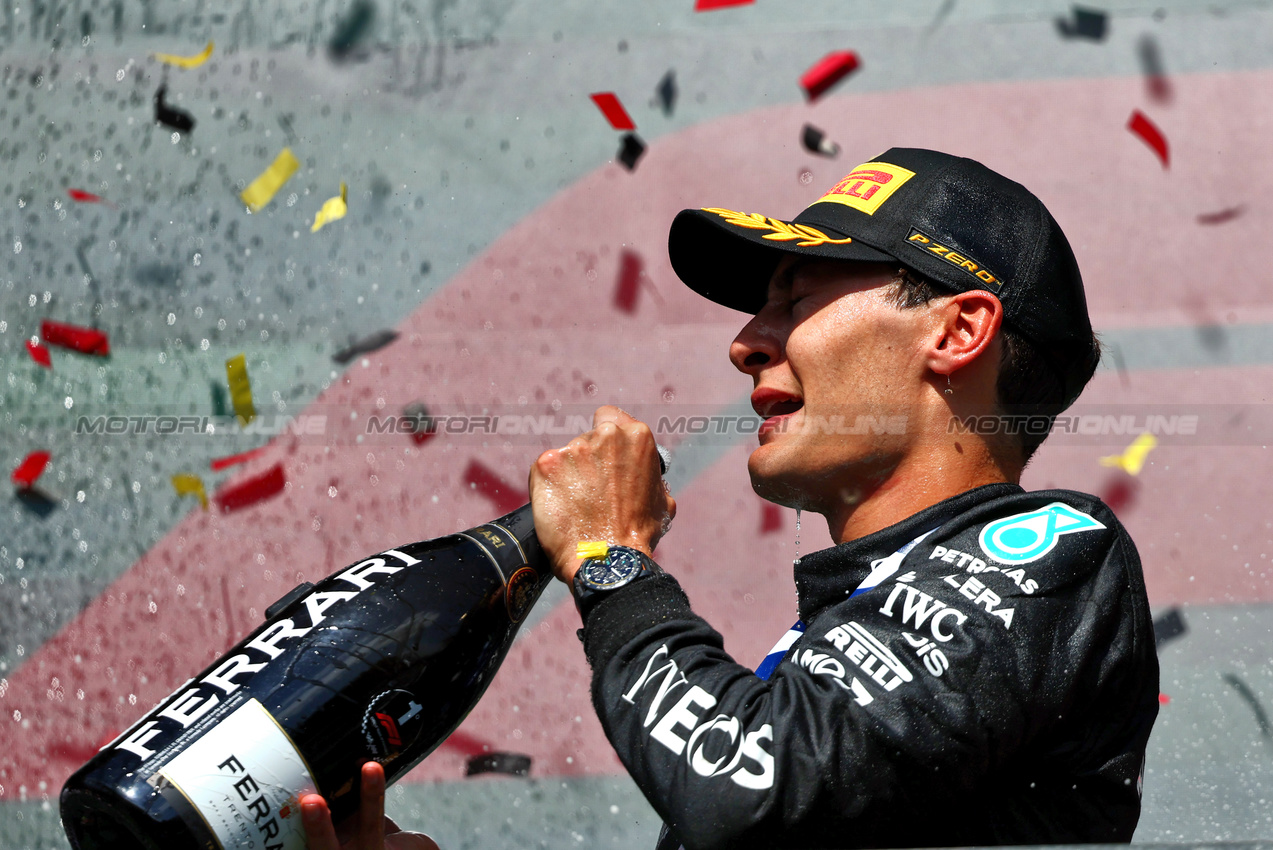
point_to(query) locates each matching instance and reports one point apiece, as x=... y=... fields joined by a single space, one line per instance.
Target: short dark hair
x=1028 y=384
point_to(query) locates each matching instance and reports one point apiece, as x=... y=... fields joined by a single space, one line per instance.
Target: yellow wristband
x=593 y=550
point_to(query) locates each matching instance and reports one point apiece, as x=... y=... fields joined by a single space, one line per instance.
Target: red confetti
x=829 y=70
x=424 y=426
x=610 y=106
x=708 y=5
x=87 y=197
x=76 y=338
x=1149 y=134
x=1120 y=493
x=1163 y=699
x=1221 y=216
x=504 y=496
x=30 y=469
x=467 y=744
x=770 y=518
x=39 y=354
x=75 y=752
x=630 y=268
x=253 y=490
x=1151 y=63
x=221 y=463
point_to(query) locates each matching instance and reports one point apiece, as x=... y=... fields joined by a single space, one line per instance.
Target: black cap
x=947 y=218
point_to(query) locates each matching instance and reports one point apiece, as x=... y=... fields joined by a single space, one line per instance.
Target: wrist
x=567 y=563
x=605 y=568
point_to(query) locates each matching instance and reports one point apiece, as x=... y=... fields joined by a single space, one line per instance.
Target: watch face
x=620 y=566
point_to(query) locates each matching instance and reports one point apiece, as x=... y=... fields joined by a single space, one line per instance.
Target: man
x=974 y=664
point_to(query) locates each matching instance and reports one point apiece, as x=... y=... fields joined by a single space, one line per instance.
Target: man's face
x=826 y=353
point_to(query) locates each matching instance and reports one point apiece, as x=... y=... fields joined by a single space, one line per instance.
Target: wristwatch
x=598 y=576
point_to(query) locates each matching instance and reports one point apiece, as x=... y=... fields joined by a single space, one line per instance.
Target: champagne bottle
x=381 y=660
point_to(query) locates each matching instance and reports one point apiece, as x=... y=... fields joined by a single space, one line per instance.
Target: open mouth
x=769 y=403
x=773 y=406
x=782 y=408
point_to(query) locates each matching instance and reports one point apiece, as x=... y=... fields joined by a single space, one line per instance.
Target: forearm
x=658 y=671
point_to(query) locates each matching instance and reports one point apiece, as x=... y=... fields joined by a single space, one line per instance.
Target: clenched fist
x=602 y=485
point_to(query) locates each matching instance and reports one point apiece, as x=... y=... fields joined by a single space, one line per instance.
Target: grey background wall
x=466 y=137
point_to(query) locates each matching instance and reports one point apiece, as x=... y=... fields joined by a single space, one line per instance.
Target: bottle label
x=521 y=593
x=245 y=778
x=392 y=723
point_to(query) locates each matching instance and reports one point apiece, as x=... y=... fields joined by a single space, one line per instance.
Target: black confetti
x=666 y=93
x=631 y=151
x=35 y=501
x=1091 y=24
x=352 y=29
x=1252 y=700
x=816 y=141
x=365 y=345
x=1169 y=626
x=220 y=405
x=170 y=116
x=511 y=764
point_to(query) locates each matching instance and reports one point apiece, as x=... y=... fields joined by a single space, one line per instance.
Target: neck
x=920 y=480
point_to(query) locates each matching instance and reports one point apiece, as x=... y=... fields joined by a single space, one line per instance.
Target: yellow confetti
x=262 y=190
x=592 y=550
x=186 y=485
x=332 y=209
x=1132 y=460
x=185 y=61
x=236 y=371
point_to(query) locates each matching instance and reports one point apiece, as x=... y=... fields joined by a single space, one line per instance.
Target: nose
x=758 y=344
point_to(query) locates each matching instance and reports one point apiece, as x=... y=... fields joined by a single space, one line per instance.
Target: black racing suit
x=998 y=688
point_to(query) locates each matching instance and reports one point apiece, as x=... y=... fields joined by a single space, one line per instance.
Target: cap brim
x=730 y=258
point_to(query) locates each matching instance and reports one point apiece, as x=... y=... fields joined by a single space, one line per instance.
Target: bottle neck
x=511 y=539
x=511 y=543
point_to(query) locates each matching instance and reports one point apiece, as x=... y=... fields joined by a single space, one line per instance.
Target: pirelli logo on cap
x=969 y=266
x=868 y=186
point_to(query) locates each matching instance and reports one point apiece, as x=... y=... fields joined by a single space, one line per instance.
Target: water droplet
x=797 y=558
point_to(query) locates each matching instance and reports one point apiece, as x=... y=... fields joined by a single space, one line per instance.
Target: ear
x=968 y=324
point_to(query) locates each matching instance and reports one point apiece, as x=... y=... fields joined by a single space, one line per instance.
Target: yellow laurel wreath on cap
x=782 y=231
